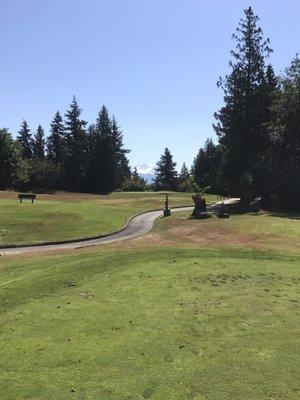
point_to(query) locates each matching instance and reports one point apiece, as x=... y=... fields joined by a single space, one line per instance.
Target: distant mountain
x=146 y=171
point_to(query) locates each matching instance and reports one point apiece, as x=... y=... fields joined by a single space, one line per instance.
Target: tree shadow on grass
x=289 y=215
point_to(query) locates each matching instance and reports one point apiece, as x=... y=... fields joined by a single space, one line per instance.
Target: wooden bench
x=22 y=196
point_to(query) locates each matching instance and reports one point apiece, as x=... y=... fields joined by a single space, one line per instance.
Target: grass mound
x=157 y=323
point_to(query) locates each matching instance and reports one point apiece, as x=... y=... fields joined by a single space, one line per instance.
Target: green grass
x=203 y=310
x=259 y=231
x=157 y=323
x=69 y=216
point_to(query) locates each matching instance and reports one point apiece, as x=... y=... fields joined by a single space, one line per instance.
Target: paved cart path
x=137 y=226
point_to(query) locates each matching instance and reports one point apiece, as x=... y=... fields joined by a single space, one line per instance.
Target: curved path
x=137 y=226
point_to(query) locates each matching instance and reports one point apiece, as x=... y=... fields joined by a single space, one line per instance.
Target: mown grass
x=261 y=231
x=69 y=216
x=157 y=323
x=202 y=310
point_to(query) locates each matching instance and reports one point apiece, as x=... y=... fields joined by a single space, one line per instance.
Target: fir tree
x=134 y=183
x=184 y=173
x=207 y=167
x=121 y=160
x=39 y=143
x=91 y=139
x=55 y=141
x=75 y=162
x=10 y=161
x=165 y=173
x=25 y=139
x=241 y=120
x=285 y=133
x=103 y=166
x=261 y=160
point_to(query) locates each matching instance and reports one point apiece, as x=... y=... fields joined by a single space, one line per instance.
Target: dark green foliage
x=135 y=183
x=207 y=168
x=109 y=166
x=186 y=181
x=10 y=161
x=184 y=173
x=262 y=169
x=39 y=143
x=43 y=175
x=25 y=139
x=121 y=161
x=258 y=127
x=284 y=130
x=165 y=173
x=75 y=158
x=55 y=141
x=103 y=162
x=240 y=122
x=71 y=158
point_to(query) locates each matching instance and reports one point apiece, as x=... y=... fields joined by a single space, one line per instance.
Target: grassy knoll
x=151 y=324
x=203 y=310
x=68 y=216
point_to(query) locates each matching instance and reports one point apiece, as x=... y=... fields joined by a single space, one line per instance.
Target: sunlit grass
x=159 y=323
x=69 y=216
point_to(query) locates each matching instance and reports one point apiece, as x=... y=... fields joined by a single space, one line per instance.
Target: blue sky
x=154 y=63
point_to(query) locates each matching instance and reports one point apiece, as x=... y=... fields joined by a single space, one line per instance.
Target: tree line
x=73 y=157
x=257 y=154
x=258 y=128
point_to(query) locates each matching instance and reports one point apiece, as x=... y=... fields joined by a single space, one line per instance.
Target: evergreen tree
x=240 y=123
x=186 y=181
x=165 y=173
x=55 y=141
x=75 y=160
x=184 y=173
x=25 y=139
x=135 y=183
x=103 y=166
x=207 y=167
x=10 y=161
x=91 y=139
x=285 y=133
x=121 y=161
x=39 y=143
x=91 y=143
x=262 y=170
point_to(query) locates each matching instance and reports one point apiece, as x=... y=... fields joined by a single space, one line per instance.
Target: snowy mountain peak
x=145 y=169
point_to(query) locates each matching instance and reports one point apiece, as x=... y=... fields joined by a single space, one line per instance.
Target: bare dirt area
x=260 y=233
x=197 y=236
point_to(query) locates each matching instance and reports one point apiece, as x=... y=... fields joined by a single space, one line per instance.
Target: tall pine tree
x=184 y=173
x=121 y=161
x=207 y=167
x=10 y=161
x=103 y=165
x=165 y=173
x=55 y=141
x=25 y=139
x=240 y=122
x=75 y=159
x=39 y=143
x=285 y=133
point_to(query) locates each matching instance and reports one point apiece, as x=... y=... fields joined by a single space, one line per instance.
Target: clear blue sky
x=154 y=63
